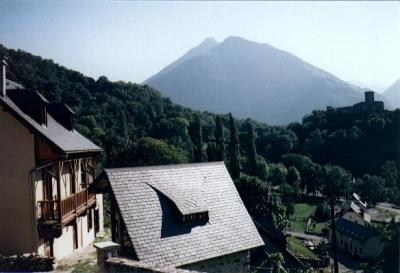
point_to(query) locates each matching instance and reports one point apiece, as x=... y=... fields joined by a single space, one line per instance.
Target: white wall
x=354 y=217
x=64 y=245
x=99 y=206
x=86 y=236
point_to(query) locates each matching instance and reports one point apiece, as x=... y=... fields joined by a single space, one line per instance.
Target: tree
x=291 y=189
x=149 y=151
x=293 y=176
x=307 y=169
x=322 y=212
x=196 y=135
x=260 y=202
x=234 y=153
x=251 y=149
x=289 y=197
x=391 y=174
x=276 y=261
x=336 y=182
x=219 y=139
x=277 y=173
x=389 y=260
x=391 y=252
x=371 y=188
x=124 y=129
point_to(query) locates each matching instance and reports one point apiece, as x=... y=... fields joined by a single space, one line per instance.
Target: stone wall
x=238 y=262
x=26 y=263
x=126 y=265
x=234 y=263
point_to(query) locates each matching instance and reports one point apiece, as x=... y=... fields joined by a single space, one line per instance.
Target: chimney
x=3 y=78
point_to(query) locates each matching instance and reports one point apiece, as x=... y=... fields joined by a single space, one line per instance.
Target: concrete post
x=105 y=250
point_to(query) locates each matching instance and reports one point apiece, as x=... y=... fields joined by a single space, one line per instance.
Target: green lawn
x=298 y=221
x=301 y=212
x=319 y=227
x=86 y=267
x=297 y=248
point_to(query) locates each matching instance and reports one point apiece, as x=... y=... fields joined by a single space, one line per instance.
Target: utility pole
x=334 y=243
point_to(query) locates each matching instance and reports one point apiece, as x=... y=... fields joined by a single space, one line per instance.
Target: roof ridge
x=165 y=166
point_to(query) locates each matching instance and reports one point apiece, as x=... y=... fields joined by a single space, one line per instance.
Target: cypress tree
x=124 y=129
x=251 y=149
x=196 y=136
x=219 y=139
x=234 y=153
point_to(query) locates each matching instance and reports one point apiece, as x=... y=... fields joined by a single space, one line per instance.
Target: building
x=355 y=210
x=187 y=216
x=358 y=240
x=45 y=169
x=369 y=105
x=354 y=232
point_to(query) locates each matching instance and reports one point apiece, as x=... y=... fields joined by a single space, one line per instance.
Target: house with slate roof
x=186 y=216
x=358 y=240
x=45 y=169
x=353 y=212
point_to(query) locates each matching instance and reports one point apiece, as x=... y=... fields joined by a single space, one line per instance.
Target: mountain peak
x=202 y=49
x=251 y=79
x=210 y=41
x=237 y=40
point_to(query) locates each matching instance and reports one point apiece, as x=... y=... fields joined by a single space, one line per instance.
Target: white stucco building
x=45 y=169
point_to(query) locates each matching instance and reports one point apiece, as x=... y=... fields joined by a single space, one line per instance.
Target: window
x=194 y=217
x=90 y=220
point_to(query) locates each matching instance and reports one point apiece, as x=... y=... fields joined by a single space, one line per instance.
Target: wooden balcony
x=61 y=212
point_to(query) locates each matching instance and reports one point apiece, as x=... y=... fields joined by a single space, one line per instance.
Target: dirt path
x=302 y=235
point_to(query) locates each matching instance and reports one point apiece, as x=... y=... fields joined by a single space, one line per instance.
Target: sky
x=356 y=41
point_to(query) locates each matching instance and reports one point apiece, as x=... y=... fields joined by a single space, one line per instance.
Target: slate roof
x=144 y=195
x=54 y=133
x=26 y=96
x=13 y=85
x=356 y=231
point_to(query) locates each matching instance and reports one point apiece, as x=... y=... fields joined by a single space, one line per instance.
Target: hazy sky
x=356 y=41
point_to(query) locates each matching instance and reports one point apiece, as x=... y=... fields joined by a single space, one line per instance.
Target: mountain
x=393 y=94
x=253 y=80
x=202 y=49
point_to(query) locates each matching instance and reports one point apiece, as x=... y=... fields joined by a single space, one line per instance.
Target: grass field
x=296 y=247
x=302 y=211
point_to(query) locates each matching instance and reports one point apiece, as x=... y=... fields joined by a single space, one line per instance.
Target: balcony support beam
x=58 y=172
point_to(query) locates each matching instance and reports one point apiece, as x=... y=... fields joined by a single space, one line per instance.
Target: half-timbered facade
x=45 y=169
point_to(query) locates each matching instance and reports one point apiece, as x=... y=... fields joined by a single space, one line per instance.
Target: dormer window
x=31 y=102
x=62 y=114
x=195 y=217
x=188 y=207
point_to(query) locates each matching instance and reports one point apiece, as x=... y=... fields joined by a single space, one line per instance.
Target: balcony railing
x=73 y=205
